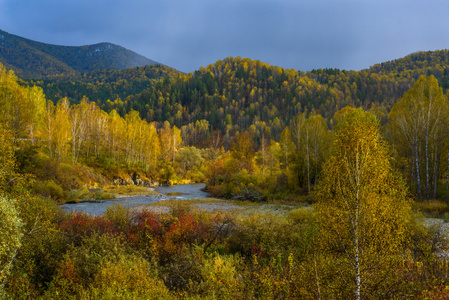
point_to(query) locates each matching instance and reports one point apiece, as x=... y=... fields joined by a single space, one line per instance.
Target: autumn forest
x=360 y=159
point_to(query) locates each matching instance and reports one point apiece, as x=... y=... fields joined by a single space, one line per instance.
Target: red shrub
x=148 y=223
x=80 y=225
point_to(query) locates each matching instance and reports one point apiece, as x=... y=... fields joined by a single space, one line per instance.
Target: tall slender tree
x=417 y=122
x=362 y=208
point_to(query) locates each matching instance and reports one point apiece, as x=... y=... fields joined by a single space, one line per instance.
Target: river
x=177 y=192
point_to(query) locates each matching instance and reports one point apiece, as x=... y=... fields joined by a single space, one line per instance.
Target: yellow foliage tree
x=10 y=237
x=61 y=128
x=362 y=209
x=7 y=160
x=21 y=109
x=419 y=124
x=10 y=222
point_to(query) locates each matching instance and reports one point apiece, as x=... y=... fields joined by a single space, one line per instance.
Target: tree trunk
x=308 y=161
x=447 y=176
x=427 y=164
x=356 y=233
x=418 y=180
x=435 y=170
x=316 y=163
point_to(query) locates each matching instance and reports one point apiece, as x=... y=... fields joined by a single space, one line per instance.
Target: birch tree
x=362 y=209
x=418 y=121
x=316 y=140
x=48 y=130
x=37 y=105
x=20 y=108
x=61 y=135
x=78 y=128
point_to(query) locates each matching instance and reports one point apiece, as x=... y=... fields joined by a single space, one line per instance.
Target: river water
x=177 y=192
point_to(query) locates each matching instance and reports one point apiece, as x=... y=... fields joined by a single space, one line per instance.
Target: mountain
x=31 y=59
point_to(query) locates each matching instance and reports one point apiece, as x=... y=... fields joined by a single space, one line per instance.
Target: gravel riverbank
x=441 y=235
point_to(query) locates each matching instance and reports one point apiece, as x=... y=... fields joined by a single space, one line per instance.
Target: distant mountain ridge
x=31 y=59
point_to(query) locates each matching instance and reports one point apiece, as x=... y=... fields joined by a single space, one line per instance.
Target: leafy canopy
x=363 y=211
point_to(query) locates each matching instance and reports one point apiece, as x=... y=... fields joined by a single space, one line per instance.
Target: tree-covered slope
x=242 y=92
x=386 y=82
x=235 y=93
x=103 y=85
x=31 y=59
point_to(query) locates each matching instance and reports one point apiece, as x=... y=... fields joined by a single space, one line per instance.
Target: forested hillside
x=30 y=59
x=235 y=93
x=105 y=86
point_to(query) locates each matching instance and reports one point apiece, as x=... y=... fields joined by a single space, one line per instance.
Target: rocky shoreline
x=441 y=235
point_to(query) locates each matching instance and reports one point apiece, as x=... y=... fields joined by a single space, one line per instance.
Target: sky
x=188 y=34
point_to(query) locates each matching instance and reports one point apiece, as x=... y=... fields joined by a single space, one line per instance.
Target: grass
x=129 y=190
x=432 y=208
x=214 y=205
x=107 y=192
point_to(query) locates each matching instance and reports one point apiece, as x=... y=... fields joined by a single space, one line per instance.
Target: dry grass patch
x=433 y=208
x=219 y=205
x=129 y=190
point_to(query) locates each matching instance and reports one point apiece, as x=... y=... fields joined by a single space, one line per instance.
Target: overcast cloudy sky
x=188 y=34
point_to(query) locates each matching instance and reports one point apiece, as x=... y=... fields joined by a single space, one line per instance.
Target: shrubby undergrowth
x=192 y=254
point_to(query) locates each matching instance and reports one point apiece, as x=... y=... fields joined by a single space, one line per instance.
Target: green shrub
x=80 y=193
x=221 y=277
x=302 y=215
x=268 y=235
x=80 y=265
x=119 y=215
x=38 y=262
x=102 y=195
x=49 y=188
x=43 y=247
x=10 y=236
x=20 y=286
x=432 y=208
x=126 y=277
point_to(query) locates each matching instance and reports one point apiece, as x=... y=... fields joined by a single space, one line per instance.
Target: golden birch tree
x=78 y=128
x=7 y=159
x=418 y=123
x=61 y=135
x=37 y=103
x=362 y=210
x=20 y=108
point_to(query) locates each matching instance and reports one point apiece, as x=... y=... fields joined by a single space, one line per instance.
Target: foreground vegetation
x=191 y=254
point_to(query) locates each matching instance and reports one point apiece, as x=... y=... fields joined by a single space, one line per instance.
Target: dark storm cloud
x=297 y=34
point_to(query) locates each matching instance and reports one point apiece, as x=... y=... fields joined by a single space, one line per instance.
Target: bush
x=432 y=208
x=268 y=235
x=302 y=215
x=37 y=263
x=10 y=236
x=49 y=188
x=221 y=277
x=127 y=277
x=79 y=193
x=42 y=247
x=80 y=265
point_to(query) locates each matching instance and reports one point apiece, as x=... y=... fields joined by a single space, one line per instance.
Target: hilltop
x=35 y=60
